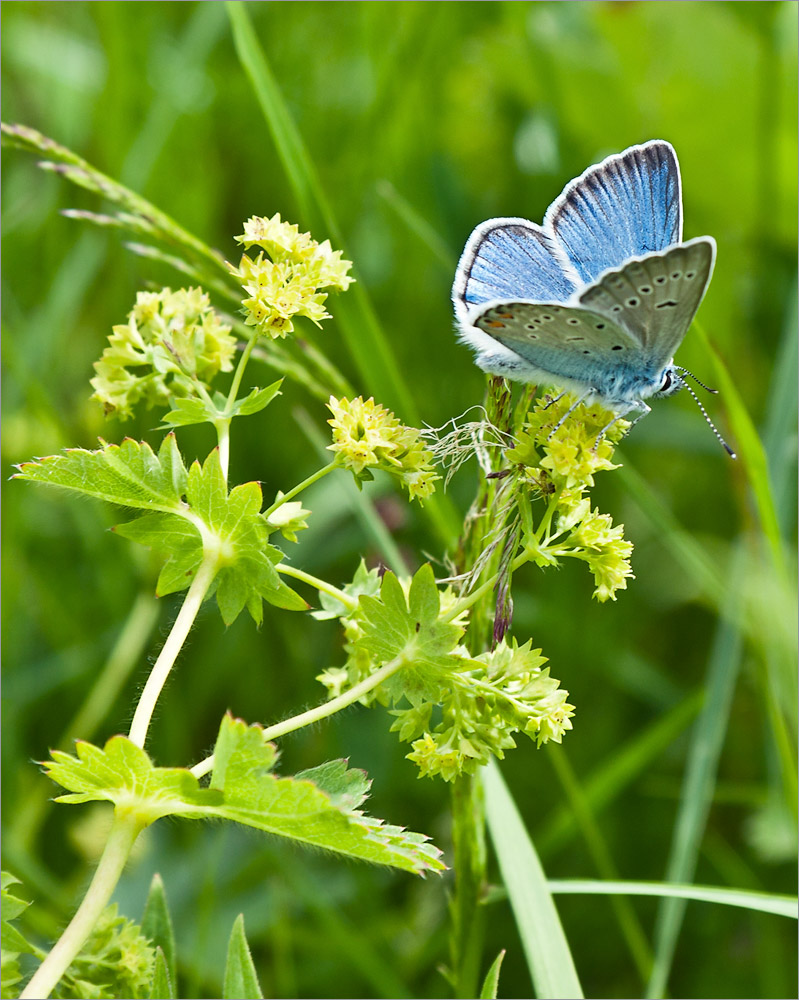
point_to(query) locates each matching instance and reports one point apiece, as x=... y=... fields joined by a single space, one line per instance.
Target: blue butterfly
x=597 y=299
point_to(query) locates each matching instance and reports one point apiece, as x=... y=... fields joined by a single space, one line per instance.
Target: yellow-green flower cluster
x=497 y=694
x=367 y=436
x=171 y=339
x=285 y=279
x=572 y=455
x=606 y=551
x=561 y=469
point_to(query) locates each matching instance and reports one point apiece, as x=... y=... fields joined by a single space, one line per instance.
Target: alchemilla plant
x=435 y=655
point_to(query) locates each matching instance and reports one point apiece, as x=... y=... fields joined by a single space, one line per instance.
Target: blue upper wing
x=627 y=206
x=511 y=259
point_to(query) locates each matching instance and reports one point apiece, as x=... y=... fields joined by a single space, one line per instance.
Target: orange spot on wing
x=495 y=323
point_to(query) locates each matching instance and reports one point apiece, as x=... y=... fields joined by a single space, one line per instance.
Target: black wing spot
x=666 y=305
x=599 y=326
x=645 y=289
x=575 y=338
x=616 y=309
x=532 y=336
x=546 y=316
x=617 y=347
x=660 y=279
x=586 y=352
x=689 y=274
x=676 y=274
x=633 y=302
x=573 y=322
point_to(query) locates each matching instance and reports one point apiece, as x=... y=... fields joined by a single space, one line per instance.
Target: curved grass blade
x=548 y=955
x=765 y=902
x=354 y=312
x=241 y=981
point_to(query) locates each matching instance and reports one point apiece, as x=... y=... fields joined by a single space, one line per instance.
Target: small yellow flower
x=285 y=279
x=367 y=436
x=170 y=339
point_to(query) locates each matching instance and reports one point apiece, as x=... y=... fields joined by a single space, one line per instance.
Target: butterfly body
x=597 y=299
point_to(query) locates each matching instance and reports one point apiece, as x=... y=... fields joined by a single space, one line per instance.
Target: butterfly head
x=670 y=382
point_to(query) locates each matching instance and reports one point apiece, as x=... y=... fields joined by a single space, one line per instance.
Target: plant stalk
x=169 y=652
x=126 y=828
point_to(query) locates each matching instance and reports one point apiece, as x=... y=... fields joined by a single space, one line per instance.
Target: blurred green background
x=422 y=119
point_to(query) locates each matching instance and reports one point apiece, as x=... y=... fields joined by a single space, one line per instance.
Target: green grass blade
x=490 y=986
x=241 y=981
x=156 y=925
x=751 y=453
x=629 y=924
x=698 y=782
x=610 y=779
x=766 y=902
x=354 y=312
x=161 y=985
x=685 y=549
x=548 y=955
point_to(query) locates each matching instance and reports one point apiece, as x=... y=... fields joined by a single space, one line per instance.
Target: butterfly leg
x=639 y=405
x=554 y=400
x=570 y=410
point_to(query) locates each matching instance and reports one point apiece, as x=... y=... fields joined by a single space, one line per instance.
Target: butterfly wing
x=627 y=206
x=511 y=258
x=569 y=346
x=655 y=297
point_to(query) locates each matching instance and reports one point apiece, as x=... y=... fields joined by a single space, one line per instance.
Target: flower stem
x=322 y=711
x=126 y=828
x=239 y=373
x=321 y=585
x=223 y=440
x=171 y=648
x=468 y=917
x=302 y=486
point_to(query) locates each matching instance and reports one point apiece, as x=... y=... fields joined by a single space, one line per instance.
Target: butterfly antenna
x=713 y=427
x=699 y=381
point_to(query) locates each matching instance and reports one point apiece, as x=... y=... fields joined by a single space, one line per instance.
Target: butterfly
x=597 y=299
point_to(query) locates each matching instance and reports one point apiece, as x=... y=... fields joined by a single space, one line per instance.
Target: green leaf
x=229 y=523
x=170 y=535
x=490 y=985
x=157 y=926
x=129 y=474
x=189 y=411
x=241 y=981
x=122 y=773
x=395 y=628
x=548 y=955
x=161 y=985
x=765 y=902
x=257 y=399
x=10 y=906
x=244 y=790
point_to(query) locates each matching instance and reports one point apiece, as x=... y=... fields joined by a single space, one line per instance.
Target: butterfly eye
x=666 y=383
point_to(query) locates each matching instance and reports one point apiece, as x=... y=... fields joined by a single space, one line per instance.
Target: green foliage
x=479 y=701
x=13 y=943
x=243 y=789
x=172 y=344
x=156 y=926
x=241 y=980
x=528 y=95
x=116 y=962
x=210 y=523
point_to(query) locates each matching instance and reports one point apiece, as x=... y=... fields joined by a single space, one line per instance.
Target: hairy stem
x=126 y=828
x=239 y=373
x=302 y=486
x=321 y=585
x=171 y=648
x=322 y=711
